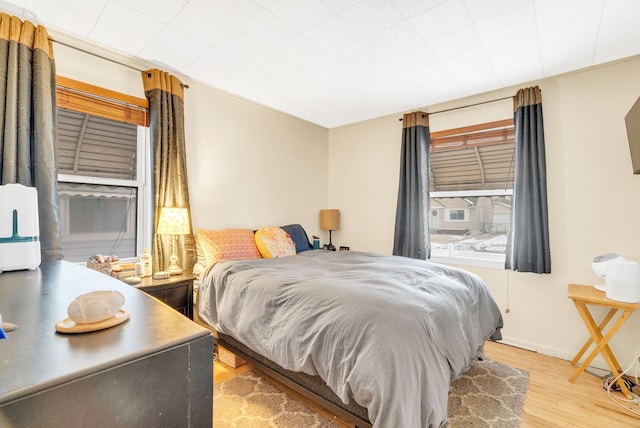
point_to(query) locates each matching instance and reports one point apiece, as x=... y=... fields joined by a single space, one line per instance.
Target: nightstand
x=176 y=291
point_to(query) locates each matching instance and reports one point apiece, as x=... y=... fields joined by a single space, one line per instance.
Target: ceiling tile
x=216 y=63
x=396 y=38
x=358 y=55
x=272 y=63
x=340 y=5
x=517 y=70
x=478 y=80
x=583 y=28
x=514 y=47
x=551 y=11
x=327 y=68
x=300 y=50
x=264 y=3
x=173 y=48
x=332 y=34
x=267 y=28
x=239 y=45
x=301 y=14
x=508 y=24
x=81 y=16
x=569 y=44
x=566 y=56
x=162 y=10
x=232 y=13
x=619 y=31
x=442 y=19
x=466 y=63
x=429 y=75
x=438 y=85
x=410 y=8
x=371 y=16
x=460 y=42
x=413 y=58
x=193 y=21
x=124 y=29
x=481 y=10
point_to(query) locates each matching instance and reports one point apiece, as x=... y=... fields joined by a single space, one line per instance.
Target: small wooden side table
x=583 y=295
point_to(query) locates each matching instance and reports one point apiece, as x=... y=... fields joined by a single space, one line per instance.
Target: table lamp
x=330 y=220
x=173 y=221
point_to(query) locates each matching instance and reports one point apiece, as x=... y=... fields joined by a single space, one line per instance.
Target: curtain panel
x=170 y=186
x=28 y=122
x=411 y=238
x=528 y=247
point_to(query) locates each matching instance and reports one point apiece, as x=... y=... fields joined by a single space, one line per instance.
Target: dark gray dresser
x=154 y=370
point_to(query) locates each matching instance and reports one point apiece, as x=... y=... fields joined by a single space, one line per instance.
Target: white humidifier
x=600 y=265
x=623 y=281
x=19 y=228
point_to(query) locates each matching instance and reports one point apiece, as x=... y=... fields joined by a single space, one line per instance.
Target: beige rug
x=490 y=394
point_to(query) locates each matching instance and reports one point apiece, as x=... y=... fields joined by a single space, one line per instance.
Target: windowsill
x=493 y=263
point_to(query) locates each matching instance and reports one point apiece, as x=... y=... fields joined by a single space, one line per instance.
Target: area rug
x=489 y=394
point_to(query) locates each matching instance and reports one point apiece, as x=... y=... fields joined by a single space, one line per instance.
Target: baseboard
x=598 y=362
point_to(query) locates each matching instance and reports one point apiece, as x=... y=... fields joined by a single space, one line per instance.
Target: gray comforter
x=388 y=332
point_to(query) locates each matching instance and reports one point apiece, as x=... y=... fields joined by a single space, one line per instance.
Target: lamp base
x=331 y=247
x=173 y=268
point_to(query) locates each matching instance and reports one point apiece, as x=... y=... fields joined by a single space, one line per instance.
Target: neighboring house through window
x=471 y=186
x=103 y=172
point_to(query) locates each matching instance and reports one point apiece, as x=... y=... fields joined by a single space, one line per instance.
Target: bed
x=377 y=337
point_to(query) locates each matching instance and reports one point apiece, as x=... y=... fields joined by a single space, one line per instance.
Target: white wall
x=251 y=166
x=248 y=165
x=593 y=198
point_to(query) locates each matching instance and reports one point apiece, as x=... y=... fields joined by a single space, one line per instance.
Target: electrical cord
x=610 y=381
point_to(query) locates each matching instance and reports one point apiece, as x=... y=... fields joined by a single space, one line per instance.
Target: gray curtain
x=170 y=186
x=411 y=237
x=28 y=122
x=528 y=243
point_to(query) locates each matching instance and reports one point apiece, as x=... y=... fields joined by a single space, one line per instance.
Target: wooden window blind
x=483 y=134
x=85 y=98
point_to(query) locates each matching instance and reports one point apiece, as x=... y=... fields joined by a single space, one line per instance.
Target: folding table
x=583 y=295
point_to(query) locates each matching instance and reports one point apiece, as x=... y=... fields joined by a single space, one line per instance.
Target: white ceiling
x=335 y=62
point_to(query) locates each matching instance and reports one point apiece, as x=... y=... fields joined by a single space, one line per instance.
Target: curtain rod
x=107 y=59
x=468 y=105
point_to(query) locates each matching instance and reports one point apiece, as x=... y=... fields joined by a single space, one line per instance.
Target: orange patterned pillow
x=227 y=244
x=274 y=242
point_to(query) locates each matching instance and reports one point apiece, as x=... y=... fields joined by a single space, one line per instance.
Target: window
x=456 y=215
x=471 y=178
x=103 y=169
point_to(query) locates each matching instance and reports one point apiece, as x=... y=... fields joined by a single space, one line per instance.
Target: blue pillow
x=298 y=236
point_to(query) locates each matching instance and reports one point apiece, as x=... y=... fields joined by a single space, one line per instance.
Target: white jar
x=139 y=271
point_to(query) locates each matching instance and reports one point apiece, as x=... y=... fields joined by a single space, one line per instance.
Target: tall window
x=103 y=170
x=471 y=179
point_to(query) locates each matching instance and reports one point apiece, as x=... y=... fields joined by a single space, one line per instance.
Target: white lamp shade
x=173 y=221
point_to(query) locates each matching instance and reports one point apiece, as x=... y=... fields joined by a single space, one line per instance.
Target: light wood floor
x=551 y=400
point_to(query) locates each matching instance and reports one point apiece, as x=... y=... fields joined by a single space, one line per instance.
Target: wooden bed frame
x=311 y=387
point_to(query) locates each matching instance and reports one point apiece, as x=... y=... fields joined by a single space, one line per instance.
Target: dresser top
x=35 y=357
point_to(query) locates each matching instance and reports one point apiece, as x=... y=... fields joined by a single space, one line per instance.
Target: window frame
x=449 y=139
x=470 y=258
x=86 y=98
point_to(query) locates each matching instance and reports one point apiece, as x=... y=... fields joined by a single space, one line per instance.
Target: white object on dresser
x=19 y=228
